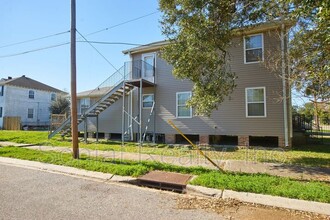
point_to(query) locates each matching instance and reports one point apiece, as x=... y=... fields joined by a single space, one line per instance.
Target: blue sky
x=22 y=20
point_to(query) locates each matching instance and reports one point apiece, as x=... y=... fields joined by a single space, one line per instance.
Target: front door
x=148 y=66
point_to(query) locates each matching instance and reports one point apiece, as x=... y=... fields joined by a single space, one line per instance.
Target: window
x=30 y=112
x=31 y=94
x=147 y=100
x=182 y=111
x=253 y=48
x=1 y=90
x=84 y=105
x=255 y=102
x=53 y=97
x=0 y=112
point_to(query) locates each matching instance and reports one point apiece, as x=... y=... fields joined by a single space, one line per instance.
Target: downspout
x=290 y=91
x=285 y=110
x=131 y=101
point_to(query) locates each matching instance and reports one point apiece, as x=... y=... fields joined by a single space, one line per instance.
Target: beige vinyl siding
x=230 y=118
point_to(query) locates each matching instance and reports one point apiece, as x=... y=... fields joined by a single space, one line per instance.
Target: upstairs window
x=253 y=48
x=1 y=90
x=148 y=100
x=182 y=110
x=255 y=102
x=84 y=105
x=30 y=112
x=0 y=112
x=31 y=94
x=53 y=97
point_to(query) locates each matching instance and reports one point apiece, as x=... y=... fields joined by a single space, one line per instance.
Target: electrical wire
x=125 y=22
x=97 y=50
x=34 y=50
x=39 y=38
x=53 y=46
x=111 y=43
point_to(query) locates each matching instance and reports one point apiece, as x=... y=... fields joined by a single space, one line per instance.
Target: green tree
x=60 y=105
x=200 y=32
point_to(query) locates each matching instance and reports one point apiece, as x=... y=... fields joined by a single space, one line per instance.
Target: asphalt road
x=35 y=194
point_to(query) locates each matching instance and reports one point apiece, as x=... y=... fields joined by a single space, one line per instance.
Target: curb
x=64 y=170
x=276 y=201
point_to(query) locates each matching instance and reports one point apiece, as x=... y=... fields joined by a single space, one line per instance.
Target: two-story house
x=258 y=112
x=28 y=99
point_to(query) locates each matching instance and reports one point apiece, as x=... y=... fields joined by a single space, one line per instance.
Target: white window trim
x=262 y=48
x=153 y=100
x=34 y=94
x=153 y=54
x=176 y=105
x=246 y=102
x=29 y=114
x=53 y=94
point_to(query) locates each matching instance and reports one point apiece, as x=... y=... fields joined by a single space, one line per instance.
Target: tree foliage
x=195 y=52
x=310 y=50
x=60 y=105
x=200 y=33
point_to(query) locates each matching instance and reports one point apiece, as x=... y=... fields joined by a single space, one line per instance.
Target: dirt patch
x=234 y=209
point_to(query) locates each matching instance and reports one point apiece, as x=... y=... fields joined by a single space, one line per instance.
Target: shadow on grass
x=312 y=161
x=319 y=173
x=313 y=148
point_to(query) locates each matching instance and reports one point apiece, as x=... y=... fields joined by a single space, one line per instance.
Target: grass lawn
x=257 y=183
x=312 y=155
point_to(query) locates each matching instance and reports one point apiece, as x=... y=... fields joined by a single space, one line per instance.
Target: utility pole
x=74 y=124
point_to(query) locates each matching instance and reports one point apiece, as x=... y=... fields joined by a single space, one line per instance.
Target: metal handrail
x=130 y=70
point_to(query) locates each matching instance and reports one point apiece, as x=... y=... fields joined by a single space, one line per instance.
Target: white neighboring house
x=28 y=99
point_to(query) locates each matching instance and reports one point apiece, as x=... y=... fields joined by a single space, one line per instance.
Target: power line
x=39 y=38
x=111 y=43
x=97 y=51
x=34 y=50
x=62 y=44
x=125 y=22
x=53 y=46
x=65 y=32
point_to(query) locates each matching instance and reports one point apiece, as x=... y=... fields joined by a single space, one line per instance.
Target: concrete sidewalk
x=285 y=170
x=295 y=204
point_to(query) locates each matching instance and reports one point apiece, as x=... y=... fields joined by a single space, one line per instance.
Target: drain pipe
x=285 y=105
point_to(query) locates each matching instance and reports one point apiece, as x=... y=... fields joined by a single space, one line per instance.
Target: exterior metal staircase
x=106 y=101
x=110 y=91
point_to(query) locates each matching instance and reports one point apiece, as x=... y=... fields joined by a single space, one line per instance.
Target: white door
x=148 y=66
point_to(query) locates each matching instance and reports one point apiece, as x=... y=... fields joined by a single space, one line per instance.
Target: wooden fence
x=11 y=123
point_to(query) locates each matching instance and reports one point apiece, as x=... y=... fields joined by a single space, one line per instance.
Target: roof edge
x=241 y=31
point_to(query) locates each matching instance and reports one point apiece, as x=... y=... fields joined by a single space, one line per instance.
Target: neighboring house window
x=30 y=112
x=53 y=97
x=31 y=94
x=253 y=48
x=148 y=100
x=0 y=112
x=84 y=105
x=182 y=111
x=255 y=102
x=1 y=90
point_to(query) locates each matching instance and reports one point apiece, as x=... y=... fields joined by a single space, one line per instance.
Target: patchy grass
x=266 y=184
x=310 y=155
x=100 y=164
x=256 y=183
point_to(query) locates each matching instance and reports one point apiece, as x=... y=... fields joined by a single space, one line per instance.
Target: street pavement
x=34 y=194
